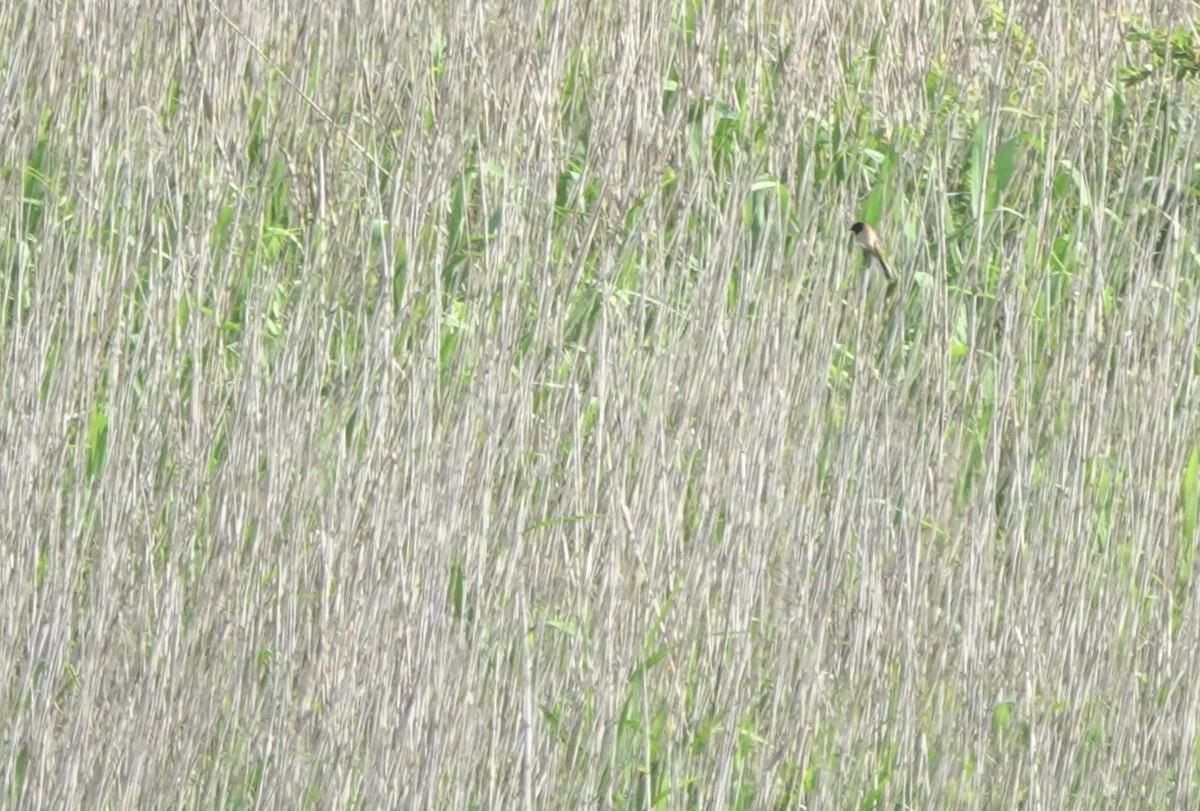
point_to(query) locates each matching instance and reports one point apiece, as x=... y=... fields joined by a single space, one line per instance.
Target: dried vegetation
x=480 y=406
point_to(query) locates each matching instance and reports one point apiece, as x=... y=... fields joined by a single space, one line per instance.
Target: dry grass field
x=482 y=406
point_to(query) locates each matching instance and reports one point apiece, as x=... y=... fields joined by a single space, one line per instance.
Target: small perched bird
x=866 y=238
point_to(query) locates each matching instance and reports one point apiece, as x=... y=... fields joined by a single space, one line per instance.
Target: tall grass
x=481 y=406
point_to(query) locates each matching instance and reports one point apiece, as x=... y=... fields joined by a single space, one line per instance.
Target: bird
x=866 y=238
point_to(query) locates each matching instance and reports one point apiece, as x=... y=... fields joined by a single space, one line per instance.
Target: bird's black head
x=858 y=227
